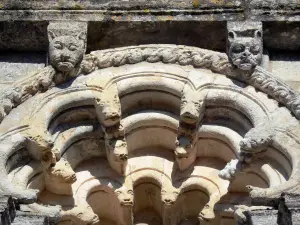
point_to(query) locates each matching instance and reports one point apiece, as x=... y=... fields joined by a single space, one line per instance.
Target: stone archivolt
x=145 y=135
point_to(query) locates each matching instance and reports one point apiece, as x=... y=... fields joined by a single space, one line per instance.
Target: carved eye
x=238 y=48
x=163 y=192
x=58 y=45
x=72 y=47
x=188 y=146
x=130 y=192
x=255 y=49
x=118 y=192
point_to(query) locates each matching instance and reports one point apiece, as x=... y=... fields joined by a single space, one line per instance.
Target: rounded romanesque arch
x=134 y=133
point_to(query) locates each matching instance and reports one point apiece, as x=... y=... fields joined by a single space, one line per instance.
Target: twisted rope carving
x=171 y=54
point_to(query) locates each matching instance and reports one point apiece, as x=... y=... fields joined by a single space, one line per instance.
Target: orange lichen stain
x=165 y=18
x=196 y=3
x=219 y=2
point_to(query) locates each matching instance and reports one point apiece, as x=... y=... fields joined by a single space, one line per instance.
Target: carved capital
x=67 y=44
x=244 y=44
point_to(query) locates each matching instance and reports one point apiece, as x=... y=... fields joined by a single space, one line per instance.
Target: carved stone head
x=67 y=46
x=62 y=172
x=108 y=108
x=192 y=105
x=257 y=139
x=245 y=45
x=117 y=149
x=168 y=197
x=81 y=215
x=125 y=196
x=183 y=147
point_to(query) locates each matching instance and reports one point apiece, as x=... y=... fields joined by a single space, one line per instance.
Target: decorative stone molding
x=183 y=55
x=245 y=44
x=67 y=44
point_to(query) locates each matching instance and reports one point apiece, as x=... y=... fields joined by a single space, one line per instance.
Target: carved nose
x=123 y=156
x=167 y=200
x=246 y=53
x=126 y=199
x=64 y=57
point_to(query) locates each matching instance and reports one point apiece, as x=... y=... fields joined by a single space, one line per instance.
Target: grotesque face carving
x=108 y=108
x=257 y=139
x=79 y=215
x=168 y=197
x=183 y=147
x=61 y=172
x=118 y=148
x=125 y=196
x=192 y=106
x=245 y=52
x=66 y=52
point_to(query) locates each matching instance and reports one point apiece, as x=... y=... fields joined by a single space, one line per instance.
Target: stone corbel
x=82 y=215
x=125 y=195
x=245 y=44
x=117 y=154
x=58 y=177
x=108 y=110
x=255 y=142
x=67 y=46
x=191 y=113
x=40 y=145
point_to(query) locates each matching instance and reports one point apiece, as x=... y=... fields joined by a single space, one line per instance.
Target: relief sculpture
x=255 y=142
x=192 y=110
x=108 y=109
x=67 y=44
x=79 y=215
x=245 y=44
x=59 y=177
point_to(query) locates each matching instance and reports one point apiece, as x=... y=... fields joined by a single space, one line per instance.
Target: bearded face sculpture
x=66 y=51
x=245 y=52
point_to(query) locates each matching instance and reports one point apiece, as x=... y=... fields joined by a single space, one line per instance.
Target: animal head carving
x=79 y=215
x=66 y=51
x=245 y=52
x=108 y=108
x=192 y=106
x=168 y=197
x=61 y=172
x=118 y=149
x=125 y=196
x=257 y=139
x=183 y=147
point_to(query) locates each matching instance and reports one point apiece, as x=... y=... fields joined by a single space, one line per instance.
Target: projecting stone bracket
x=192 y=109
x=245 y=44
x=67 y=46
x=255 y=142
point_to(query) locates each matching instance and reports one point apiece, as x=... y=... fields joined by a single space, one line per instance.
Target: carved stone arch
x=147 y=88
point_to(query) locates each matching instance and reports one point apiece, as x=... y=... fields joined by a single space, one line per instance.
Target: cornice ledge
x=170 y=54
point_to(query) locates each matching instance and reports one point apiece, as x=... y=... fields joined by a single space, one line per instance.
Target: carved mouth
x=188 y=117
x=72 y=178
x=245 y=66
x=65 y=66
x=127 y=203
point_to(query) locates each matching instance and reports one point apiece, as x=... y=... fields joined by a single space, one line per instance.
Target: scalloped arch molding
x=59 y=114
